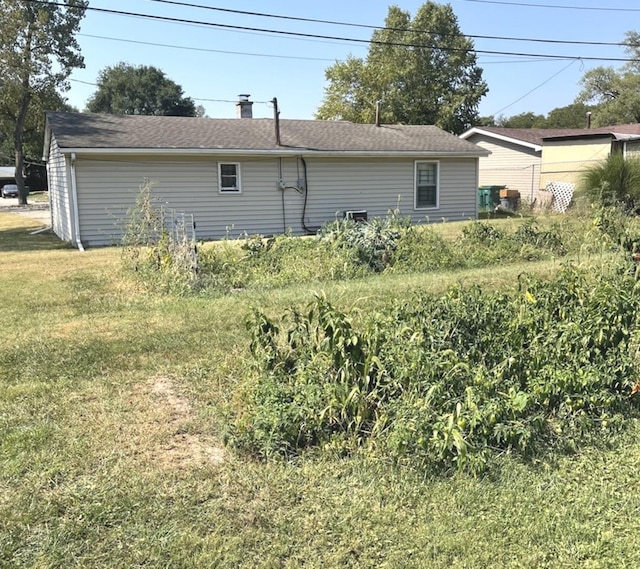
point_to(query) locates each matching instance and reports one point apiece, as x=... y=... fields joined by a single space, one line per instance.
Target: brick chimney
x=244 y=107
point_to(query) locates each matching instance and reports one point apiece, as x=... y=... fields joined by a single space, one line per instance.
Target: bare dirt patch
x=162 y=429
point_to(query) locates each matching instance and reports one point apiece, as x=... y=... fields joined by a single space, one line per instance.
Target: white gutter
x=279 y=152
x=74 y=199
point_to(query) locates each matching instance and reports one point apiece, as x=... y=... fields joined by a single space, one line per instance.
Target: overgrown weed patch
x=71 y=495
x=447 y=383
x=342 y=250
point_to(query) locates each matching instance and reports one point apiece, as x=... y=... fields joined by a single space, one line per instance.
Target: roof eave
x=565 y=137
x=519 y=142
x=273 y=152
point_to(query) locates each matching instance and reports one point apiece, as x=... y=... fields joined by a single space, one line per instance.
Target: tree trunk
x=21 y=116
x=18 y=137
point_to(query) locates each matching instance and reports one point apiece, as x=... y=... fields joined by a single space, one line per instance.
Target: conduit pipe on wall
x=74 y=200
x=308 y=230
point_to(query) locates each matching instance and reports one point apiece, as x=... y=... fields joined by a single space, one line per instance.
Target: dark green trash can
x=489 y=197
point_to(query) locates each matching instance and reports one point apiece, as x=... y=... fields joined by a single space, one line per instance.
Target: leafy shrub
x=549 y=240
x=482 y=233
x=421 y=249
x=373 y=242
x=276 y=261
x=447 y=382
x=621 y=229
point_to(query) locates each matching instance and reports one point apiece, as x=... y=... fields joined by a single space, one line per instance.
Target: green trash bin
x=489 y=197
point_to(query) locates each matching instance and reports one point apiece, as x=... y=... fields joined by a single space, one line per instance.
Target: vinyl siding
x=509 y=164
x=59 y=193
x=633 y=149
x=107 y=188
x=566 y=160
x=380 y=185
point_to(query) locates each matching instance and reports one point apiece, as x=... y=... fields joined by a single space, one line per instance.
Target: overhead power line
x=191 y=48
x=535 y=88
x=562 y=7
x=283 y=33
x=194 y=98
x=380 y=28
x=277 y=56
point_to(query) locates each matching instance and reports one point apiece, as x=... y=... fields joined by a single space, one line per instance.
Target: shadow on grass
x=22 y=239
x=498 y=214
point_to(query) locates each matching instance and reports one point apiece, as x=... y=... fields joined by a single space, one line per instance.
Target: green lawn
x=111 y=407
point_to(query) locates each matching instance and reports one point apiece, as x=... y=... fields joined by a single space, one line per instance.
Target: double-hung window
x=229 y=177
x=427 y=176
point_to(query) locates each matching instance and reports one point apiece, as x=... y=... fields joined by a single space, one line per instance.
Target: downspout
x=281 y=188
x=533 y=182
x=74 y=200
x=45 y=159
x=49 y=196
x=46 y=154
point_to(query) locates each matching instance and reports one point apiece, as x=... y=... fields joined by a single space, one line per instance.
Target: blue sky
x=213 y=75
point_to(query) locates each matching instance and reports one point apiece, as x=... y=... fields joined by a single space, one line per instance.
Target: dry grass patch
x=158 y=432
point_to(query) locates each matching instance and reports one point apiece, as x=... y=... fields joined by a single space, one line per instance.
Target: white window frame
x=415 y=184
x=238 y=187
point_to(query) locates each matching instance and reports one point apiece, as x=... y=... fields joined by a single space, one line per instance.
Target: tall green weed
x=160 y=257
x=447 y=383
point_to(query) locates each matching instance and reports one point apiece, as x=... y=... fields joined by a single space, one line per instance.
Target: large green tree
x=38 y=52
x=422 y=70
x=569 y=116
x=523 y=120
x=615 y=91
x=139 y=90
x=34 y=124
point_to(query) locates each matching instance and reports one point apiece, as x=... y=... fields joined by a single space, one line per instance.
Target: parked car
x=10 y=191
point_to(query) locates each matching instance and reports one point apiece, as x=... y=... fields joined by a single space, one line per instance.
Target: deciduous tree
x=38 y=52
x=422 y=70
x=569 y=116
x=34 y=124
x=523 y=120
x=139 y=90
x=615 y=91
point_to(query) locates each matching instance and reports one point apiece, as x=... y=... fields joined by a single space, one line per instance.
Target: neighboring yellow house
x=527 y=159
x=565 y=157
x=633 y=148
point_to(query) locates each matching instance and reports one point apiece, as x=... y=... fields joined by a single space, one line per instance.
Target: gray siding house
x=239 y=175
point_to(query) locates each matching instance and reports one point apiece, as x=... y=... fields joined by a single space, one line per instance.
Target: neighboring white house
x=515 y=158
x=234 y=176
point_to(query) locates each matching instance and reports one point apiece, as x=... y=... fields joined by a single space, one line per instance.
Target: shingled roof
x=536 y=136
x=530 y=135
x=83 y=131
x=619 y=131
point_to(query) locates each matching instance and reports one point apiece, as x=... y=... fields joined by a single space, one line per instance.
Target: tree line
x=418 y=70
